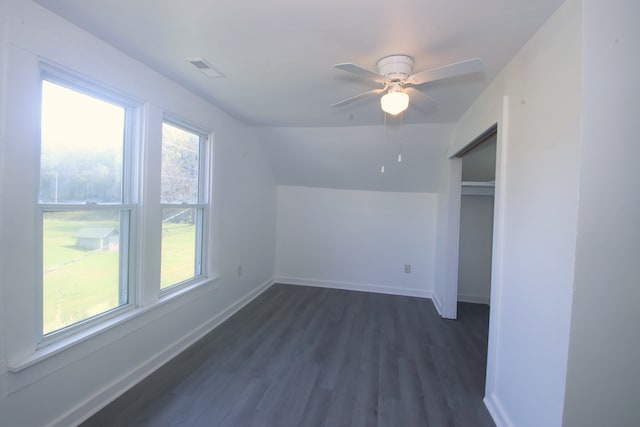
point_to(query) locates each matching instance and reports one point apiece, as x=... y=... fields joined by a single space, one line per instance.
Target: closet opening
x=476 y=218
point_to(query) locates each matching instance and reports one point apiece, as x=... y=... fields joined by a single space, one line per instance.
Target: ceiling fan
x=395 y=76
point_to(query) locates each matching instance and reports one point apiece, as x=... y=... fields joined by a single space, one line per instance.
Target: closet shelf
x=478 y=188
x=479 y=184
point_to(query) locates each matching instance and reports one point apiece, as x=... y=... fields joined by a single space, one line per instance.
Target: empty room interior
x=319 y=213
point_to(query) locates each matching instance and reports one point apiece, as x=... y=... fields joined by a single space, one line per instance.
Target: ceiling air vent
x=205 y=67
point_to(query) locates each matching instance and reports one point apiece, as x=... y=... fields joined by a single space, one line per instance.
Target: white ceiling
x=278 y=55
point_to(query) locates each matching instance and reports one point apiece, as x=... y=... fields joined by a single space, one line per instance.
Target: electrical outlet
x=239 y=271
x=407 y=268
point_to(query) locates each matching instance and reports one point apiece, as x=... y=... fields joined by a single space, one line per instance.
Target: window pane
x=81 y=266
x=180 y=161
x=82 y=147
x=179 y=243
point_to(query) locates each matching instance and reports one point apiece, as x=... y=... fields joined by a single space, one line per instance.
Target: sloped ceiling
x=351 y=157
x=278 y=55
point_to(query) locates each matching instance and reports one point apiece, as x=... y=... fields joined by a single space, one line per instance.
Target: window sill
x=68 y=342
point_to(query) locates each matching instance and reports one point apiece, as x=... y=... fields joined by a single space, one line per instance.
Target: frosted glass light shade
x=394 y=102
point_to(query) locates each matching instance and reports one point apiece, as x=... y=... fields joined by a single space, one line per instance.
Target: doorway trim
x=497 y=263
x=448 y=306
x=450 y=297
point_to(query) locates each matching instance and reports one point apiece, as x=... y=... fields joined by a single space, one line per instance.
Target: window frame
x=201 y=208
x=128 y=207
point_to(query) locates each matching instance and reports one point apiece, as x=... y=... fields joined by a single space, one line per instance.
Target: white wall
x=536 y=196
x=476 y=238
x=604 y=351
x=69 y=384
x=356 y=239
x=3 y=72
x=479 y=164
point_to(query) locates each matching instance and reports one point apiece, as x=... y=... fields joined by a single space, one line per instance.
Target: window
x=84 y=203
x=184 y=203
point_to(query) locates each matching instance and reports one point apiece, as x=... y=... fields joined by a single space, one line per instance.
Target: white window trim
x=109 y=322
x=204 y=202
x=44 y=340
x=130 y=182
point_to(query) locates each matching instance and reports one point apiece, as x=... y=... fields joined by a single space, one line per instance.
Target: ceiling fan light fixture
x=394 y=102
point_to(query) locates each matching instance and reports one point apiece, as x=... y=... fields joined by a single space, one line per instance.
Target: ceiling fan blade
x=357 y=97
x=474 y=65
x=420 y=101
x=361 y=72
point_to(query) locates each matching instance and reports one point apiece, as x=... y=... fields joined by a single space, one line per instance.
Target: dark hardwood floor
x=303 y=356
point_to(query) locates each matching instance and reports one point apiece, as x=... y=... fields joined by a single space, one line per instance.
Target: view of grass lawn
x=80 y=283
x=178 y=253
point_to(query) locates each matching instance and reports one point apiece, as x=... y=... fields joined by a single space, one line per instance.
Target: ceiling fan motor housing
x=395 y=67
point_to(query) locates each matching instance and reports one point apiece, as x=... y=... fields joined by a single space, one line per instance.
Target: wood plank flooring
x=303 y=356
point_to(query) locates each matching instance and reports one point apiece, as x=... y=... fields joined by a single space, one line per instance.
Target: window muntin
x=84 y=209
x=183 y=201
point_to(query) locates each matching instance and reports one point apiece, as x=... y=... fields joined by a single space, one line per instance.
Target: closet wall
x=476 y=223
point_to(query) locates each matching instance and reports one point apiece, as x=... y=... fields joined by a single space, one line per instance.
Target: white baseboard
x=474 y=299
x=109 y=393
x=349 y=286
x=497 y=412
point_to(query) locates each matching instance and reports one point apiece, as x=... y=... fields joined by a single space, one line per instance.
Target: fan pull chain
x=384 y=139
x=400 y=143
